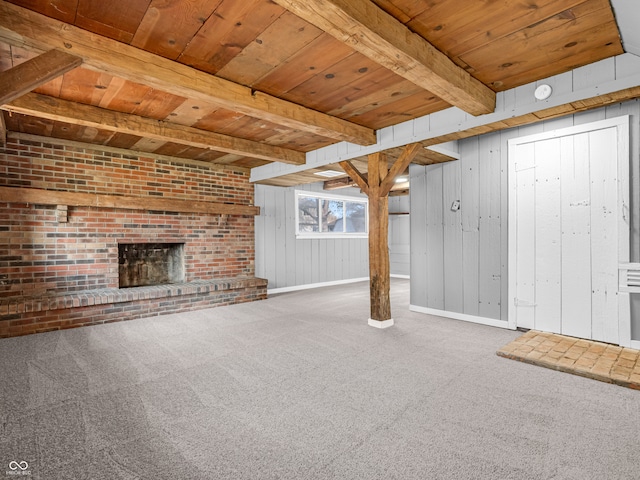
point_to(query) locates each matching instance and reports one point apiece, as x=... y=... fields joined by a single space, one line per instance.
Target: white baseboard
x=381 y=323
x=395 y=275
x=492 y=322
x=315 y=285
x=635 y=344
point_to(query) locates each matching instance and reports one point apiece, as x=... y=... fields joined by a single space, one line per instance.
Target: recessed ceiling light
x=329 y=173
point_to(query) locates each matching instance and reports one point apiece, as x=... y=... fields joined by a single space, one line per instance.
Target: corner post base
x=381 y=323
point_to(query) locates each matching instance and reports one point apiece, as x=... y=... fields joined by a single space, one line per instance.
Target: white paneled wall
x=399 y=234
x=289 y=262
x=459 y=258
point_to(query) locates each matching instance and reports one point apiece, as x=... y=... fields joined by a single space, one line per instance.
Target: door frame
x=622 y=125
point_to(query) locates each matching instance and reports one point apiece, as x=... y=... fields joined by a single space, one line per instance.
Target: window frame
x=328 y=196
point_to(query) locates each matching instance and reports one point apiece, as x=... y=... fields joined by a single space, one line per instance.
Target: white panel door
x=568 y=191
x=576 y=236
x=524 y=178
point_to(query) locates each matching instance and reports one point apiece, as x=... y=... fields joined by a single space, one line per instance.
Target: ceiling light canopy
x=329 y=173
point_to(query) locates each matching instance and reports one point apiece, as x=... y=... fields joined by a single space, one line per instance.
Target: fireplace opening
x=142 y=264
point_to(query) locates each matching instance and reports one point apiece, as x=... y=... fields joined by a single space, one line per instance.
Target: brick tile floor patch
x=599 y=361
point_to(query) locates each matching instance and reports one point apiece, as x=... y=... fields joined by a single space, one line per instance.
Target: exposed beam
x=3 y=130
x=338 y=183
x=89 y=116
x=31 y=30
x=76 y=199
x=37 y=71
x=518 y=107
x=400 y=165
x=371 y=31
x=357 y=177
x=398 y=193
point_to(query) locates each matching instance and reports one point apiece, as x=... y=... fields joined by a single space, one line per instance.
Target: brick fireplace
x=60 y=264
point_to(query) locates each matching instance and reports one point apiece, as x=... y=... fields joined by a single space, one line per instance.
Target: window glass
x=325 y=215
x=332 y=214
x=356 y=217
x=308 y=214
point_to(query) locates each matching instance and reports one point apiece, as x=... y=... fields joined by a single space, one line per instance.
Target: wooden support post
x=379 y=270
x=377 y=184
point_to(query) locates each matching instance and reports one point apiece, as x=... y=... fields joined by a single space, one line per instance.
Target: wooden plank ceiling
x=183 y=72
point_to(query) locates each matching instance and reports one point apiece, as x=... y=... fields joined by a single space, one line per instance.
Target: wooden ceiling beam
x=399 y=193
x=27 y=29
x=3 y=130
x=35 y=72
x=371 y=31
x=89 y=116
x=338 y=183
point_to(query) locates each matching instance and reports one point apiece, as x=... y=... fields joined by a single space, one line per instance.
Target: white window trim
x=328 y=235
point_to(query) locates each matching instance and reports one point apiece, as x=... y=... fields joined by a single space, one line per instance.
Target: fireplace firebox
x=143 y=264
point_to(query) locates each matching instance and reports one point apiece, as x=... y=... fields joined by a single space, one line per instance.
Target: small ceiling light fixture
x=329 y=173
x=401 y=179
x=543 y=91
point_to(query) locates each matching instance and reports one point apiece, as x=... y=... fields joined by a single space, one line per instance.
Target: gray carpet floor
x=300 y=387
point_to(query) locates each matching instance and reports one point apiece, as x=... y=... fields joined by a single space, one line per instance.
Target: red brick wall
x=59 y=167
x=39 y=255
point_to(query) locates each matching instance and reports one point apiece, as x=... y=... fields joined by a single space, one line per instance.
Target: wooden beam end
x=37 y=71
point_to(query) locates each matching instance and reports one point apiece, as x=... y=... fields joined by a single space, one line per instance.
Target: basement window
x=330 y=216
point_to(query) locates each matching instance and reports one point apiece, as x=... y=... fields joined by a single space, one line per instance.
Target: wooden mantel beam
x=89 y=116
x=30 y=30
x=79 y=199
x=29 y=75
x=371 y=31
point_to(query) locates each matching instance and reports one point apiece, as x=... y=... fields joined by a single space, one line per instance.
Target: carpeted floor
x=300 y=387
